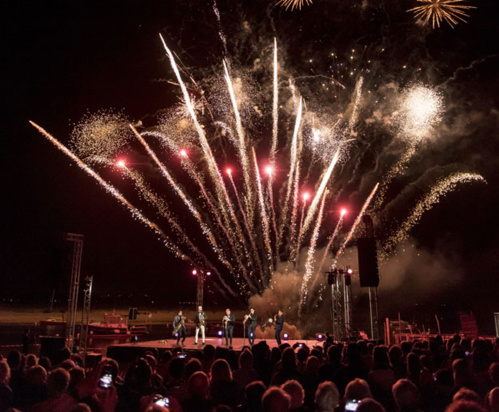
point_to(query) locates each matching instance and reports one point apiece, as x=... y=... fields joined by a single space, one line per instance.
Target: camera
x=352 y=405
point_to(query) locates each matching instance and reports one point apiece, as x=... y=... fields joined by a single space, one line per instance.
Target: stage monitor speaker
x=368 y=262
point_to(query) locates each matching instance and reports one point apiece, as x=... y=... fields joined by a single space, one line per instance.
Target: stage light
x=220 y=333
x=305 y=196
x=121 y=163
x=320 y=337
x=285 y=336
x=208 y=273
x=176 y=335
x=229 y=171
x=194 y=272
x=269 y=170
x=183 y=153
x=348 y=276
x=343 y=212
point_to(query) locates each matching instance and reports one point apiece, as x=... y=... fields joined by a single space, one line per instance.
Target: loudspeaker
x=368 y=262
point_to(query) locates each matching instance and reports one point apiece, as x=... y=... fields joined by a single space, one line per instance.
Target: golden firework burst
x=441 y=10
x=293 y=4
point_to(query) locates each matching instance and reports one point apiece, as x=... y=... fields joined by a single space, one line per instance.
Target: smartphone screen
x=162 y=402
x=352 y=405
x=106 y=380
x=182 y=355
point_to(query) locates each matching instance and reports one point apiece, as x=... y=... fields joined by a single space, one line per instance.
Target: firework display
x=438 y=11
x=263 y=146
x=293 y=4
x=247 y=177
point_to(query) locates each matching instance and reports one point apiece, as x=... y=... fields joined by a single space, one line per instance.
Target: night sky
x=63 y=59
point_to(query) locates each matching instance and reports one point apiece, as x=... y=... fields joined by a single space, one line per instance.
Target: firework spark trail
x=355 y=224
x=441 y=10
x=292 y=87
x=221 y=191
x=309 y=263
x=220 y=31
x=263 y=214
x=291 y=175
x=318 y=195
x=256 y=253
x=294 y=211
x=216 y=176
x=241 y=146
x=292 y=4
x=234 y=245
x=295 y=252
x=275 y=118
x=355 y=110
x=118 y=196
x=440 y=189
x=163 y=210
x=272 y=212
x=395 y=170
x=204 y=227
x=275 y=107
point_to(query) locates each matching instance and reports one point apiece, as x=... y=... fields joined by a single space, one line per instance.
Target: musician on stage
x=179 y=321
x=228 y=321
x=252 y=318
x=200 y=321
x=279 y=323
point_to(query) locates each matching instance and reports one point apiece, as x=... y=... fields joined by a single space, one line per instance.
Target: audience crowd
x=458 y=375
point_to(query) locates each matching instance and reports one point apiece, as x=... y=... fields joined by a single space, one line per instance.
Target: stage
x=128 y=352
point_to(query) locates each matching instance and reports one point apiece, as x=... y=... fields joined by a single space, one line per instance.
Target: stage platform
x=130 y=351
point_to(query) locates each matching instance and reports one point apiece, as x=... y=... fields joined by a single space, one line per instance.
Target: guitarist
x=179 y=320
x=200 y=321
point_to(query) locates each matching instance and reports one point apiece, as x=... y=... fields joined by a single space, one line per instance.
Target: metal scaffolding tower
x=335 y=280
x=373 y=311
x=341 y=301
x=73 y=287
x=347 y=301
x=85 y=314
